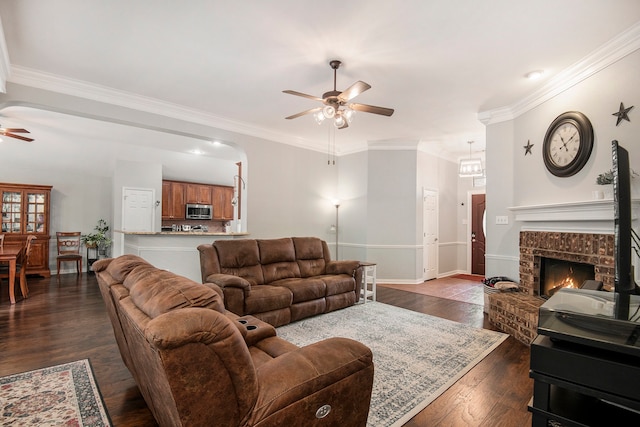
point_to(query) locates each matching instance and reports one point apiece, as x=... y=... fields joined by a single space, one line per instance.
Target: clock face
x=567 y=144
x=564 y=145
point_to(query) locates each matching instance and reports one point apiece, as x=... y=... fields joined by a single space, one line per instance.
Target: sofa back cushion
x=311 y=257
x=119 y=268
x=278 y=259
x=156 y=291
x=240 y=258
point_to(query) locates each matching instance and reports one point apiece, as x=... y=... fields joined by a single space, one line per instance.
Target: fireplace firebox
x=556 y=274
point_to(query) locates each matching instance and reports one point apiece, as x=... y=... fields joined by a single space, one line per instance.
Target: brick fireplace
x=517 y=312
x=587 y=248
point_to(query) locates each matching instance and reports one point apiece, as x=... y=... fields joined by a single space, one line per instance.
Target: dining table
x=9 y=254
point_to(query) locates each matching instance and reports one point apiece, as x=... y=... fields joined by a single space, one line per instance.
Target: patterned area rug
x=416 y=356
x=62 y=395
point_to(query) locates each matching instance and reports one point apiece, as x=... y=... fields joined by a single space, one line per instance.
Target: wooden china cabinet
x=25 y=211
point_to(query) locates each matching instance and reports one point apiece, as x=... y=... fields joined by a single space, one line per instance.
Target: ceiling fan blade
x=17 y=136
x=304 y=95
x=17 y=130
x=311 y=111
x=354 y=90
x=372 y=109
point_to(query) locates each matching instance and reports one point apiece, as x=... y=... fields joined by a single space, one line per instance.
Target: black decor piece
x=622 y=114
x=527 y=148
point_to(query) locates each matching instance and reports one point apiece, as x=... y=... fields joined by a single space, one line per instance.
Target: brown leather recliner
x=197 y=364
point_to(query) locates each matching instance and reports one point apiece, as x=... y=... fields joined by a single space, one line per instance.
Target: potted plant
x=98 y=240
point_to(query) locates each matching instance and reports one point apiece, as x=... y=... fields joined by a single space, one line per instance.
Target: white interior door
x=430 y=234
x=138 y=210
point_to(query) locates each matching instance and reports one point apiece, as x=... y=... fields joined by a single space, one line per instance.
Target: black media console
x=585 y=365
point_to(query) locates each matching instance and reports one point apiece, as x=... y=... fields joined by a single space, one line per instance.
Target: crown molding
x=609 y=53
x=54 y=83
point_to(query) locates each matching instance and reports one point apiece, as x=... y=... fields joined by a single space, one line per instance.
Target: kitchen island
x=176 y=251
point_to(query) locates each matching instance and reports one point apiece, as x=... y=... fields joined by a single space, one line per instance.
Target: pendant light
x=470 y=167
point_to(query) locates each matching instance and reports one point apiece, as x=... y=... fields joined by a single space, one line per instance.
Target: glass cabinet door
x=35 y=213
x=11 y=211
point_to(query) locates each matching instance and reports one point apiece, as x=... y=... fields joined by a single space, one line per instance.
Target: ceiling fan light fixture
x=348 y=114
x=339 y=121
x=319 y=116
x=329 y=111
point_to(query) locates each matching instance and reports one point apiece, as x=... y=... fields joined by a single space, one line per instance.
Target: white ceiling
x=438 y=63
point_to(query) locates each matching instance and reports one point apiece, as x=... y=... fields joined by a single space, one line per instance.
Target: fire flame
x=567 y=282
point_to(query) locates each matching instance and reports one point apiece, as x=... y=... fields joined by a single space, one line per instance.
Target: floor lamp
x=336 y=203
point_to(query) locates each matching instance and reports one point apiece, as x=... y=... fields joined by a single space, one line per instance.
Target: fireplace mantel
x=591 y=210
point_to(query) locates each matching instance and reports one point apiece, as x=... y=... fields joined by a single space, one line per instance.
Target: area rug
x=61 y=395
x=416 y=356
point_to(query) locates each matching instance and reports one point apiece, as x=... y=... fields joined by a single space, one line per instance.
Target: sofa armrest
x=301 y=373
x=229 y=281
x=342 y=267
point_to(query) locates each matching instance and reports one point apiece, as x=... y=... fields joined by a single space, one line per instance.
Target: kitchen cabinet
x=175 y=194
x=222 y=198
x=199 y=193
x=25 y=211
x=173 y=200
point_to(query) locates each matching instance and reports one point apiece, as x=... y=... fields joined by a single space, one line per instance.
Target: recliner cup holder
x=251 y=327
x=244 y=322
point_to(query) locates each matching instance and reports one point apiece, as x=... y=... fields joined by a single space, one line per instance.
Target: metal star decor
x=527 y=148
x=622 y=114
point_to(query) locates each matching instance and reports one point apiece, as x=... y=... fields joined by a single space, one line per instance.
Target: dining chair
x=69 y=249
x=22 y=260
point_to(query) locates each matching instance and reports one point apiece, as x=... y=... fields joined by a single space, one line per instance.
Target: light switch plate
x=502 y=220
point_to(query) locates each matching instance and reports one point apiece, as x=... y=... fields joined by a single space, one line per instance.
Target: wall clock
x=567 y=144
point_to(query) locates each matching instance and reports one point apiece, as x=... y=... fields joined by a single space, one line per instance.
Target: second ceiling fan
x=336 y=103
x=11 y=132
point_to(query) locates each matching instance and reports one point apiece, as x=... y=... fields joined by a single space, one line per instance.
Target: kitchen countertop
x=180 y=233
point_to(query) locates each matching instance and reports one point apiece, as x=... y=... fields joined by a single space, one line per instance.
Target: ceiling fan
x=11 y=132
x=336 y=103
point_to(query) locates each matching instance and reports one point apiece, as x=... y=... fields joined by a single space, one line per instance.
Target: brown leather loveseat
x=197 y=364
x=280 y=280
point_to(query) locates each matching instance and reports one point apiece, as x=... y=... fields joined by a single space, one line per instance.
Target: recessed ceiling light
x=534 y=75
x=216 y=143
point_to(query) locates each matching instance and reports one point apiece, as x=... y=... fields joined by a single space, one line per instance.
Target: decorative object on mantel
x=528 y=147
x=622 y=114
x=606 y=178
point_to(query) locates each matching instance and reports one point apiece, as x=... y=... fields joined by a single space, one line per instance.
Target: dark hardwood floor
x=65 y=320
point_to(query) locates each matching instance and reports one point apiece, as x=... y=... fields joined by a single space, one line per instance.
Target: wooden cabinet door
x=199 y=193
x=166 y=200
x=222 y=207
x=177 y=200
x=173 y=200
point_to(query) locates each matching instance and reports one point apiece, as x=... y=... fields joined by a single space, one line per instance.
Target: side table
x=368 y=276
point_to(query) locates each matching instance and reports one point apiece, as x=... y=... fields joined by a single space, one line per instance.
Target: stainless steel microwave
x=195 y=211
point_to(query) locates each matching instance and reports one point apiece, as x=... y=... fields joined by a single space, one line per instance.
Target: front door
x=478 y=210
